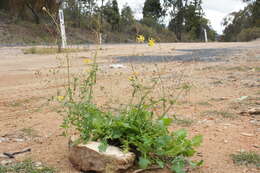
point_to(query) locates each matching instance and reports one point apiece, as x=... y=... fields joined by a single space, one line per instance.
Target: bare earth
x=28 y=120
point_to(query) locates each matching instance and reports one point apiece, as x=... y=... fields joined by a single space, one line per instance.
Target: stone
x=117 y=66
x=3 y=140
x=247 y=134
x=254 y=111
x=6 y=162
x=38 y=164
x=87 y=157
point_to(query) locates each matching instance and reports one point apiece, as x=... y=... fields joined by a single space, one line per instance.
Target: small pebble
x=247 y=134
x=38 y=164
x=19 y=140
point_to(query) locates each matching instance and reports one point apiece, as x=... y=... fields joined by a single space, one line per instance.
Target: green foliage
x=26 y=166
x=153 y=9
x=249 y=34
x=246 y=158
x=241 y=25
x=191 y=12
x=111 y=13
x=127 y=16
x=136 y=128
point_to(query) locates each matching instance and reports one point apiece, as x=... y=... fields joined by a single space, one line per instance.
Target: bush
x=135 y=128
x=249 y=34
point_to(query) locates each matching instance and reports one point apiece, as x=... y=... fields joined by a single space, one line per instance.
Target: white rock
x=117 y=66
x=247 y=134
x=3 y=140
x=38 y=164
x=88 y=158
x=6 y=162
x=18 y=140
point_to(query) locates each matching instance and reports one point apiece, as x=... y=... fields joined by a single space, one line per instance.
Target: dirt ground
x=221 y=87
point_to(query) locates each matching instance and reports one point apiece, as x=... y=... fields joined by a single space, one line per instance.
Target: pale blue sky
x=215 y=10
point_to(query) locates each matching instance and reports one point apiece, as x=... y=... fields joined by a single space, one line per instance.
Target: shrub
x=249 y=34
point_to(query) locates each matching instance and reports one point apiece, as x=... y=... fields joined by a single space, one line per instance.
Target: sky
x=215 y=10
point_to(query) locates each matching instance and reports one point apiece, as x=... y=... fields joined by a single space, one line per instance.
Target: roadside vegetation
x=26 y=22
x=243 y=25
x=137 y=127
x=48 y=50
x=26 y=166
x=246 y=158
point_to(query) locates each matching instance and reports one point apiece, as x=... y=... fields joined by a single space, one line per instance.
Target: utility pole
x=62 y=27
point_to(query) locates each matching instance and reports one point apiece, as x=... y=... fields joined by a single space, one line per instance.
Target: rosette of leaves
x=138 y=131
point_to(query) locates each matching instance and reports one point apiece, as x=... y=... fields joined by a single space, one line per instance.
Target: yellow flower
x=151 y=42
x=131 y=78
x=60 y=98
x=140 y=38
x=87 y=60
x=135 y=73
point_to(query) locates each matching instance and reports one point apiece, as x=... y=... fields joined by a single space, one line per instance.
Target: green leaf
x=177 y=168
x=103 y=147
x=178 y=165
x=194 y=164
x=143 y=163
x=197 y=140
x=181 y=133
x=167 y=121
x=160 y=163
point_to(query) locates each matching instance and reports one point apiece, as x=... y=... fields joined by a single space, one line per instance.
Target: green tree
x=112 y=15
x=4 y=4
x=153 y=9
x=177 y=11
x=127 y=17
x=242 y=22
x=186 y=17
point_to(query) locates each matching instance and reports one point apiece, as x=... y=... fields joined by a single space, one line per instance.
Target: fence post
x=206 y=35
x=62 y=30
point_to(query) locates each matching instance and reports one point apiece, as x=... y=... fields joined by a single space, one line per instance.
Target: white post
x=62 y=29
x=206 y=35
x=100 y=38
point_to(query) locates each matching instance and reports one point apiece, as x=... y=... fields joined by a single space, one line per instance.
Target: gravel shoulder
x=220 y=76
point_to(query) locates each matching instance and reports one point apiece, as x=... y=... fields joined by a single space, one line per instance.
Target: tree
x=19 y=8
x=240 y=22
x=153 y=9
x=186 y=16
x=4 y=4
x=127 y=17
x=177 y=16
x=111 y=14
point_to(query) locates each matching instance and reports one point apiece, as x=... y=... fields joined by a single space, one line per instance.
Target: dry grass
x=51 y=50
x=246 y=158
